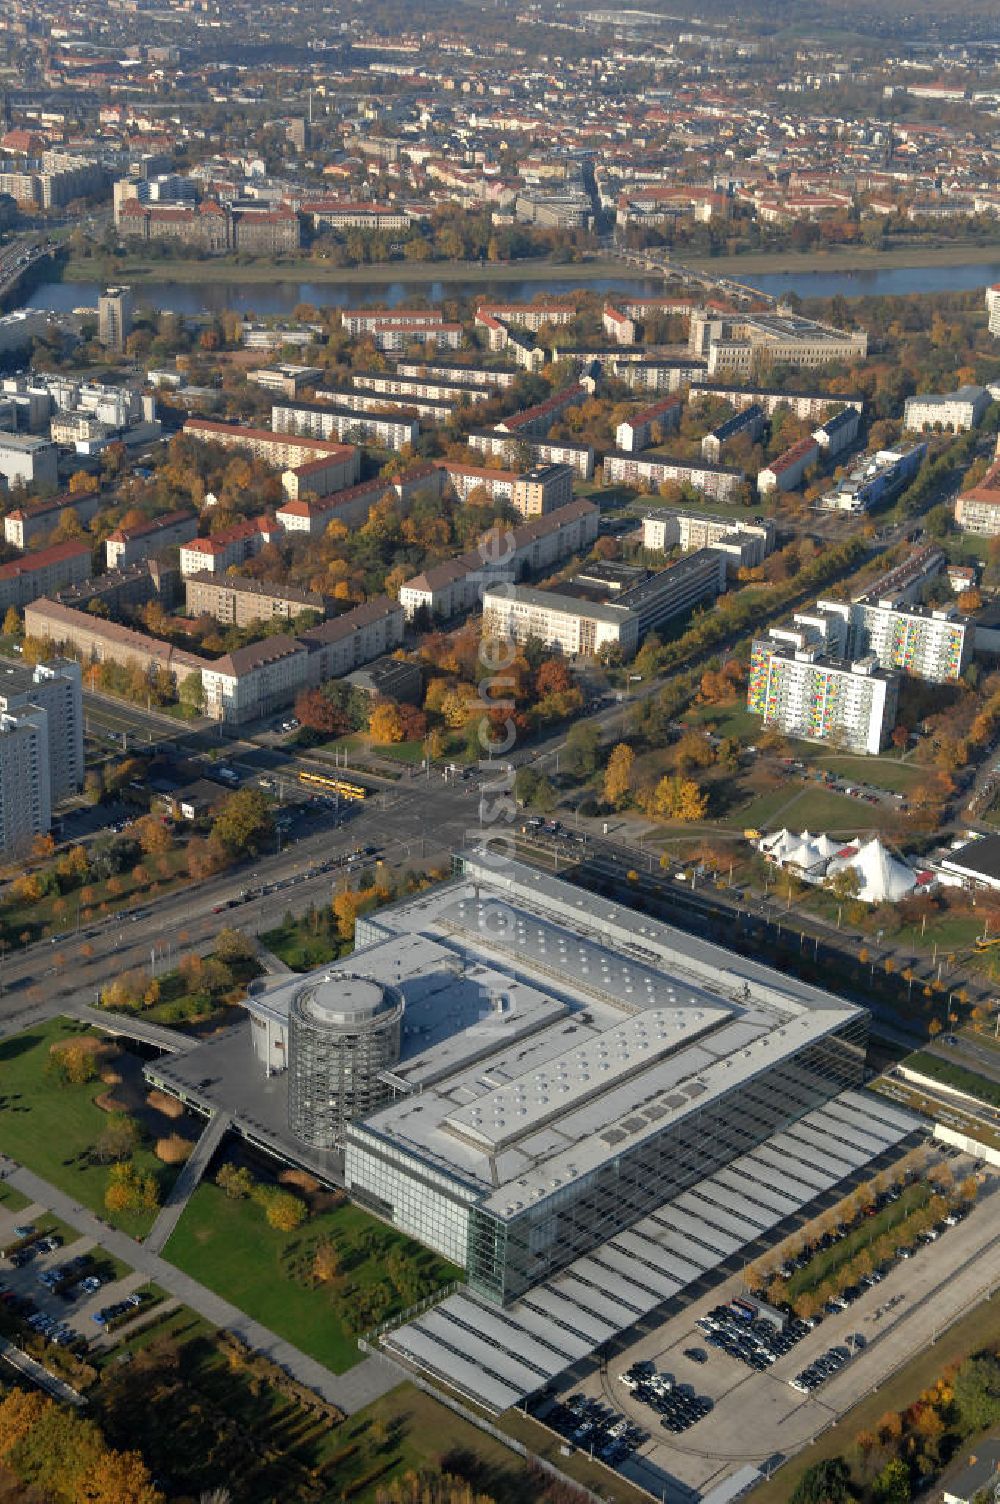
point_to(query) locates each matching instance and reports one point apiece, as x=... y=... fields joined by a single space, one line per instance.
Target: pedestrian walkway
x=351 y=1391
x=183 y=1187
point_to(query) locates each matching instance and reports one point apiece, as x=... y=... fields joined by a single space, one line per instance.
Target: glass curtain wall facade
x=337 y=1056
x=507 y=1256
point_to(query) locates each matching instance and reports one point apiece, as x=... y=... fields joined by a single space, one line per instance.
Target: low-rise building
x=788 y=471
x=344 y=643
x=438 y=388
x=875 y=480
x=513 y=448
x=535 y=421
x=24 y=524
x=130 y=545
x=745 y=544
x=978 y=509
x=451 y=373
x=506 y=554
x=748 y=421
x=465 y=479
x=564 y=623
x=285 y=451
x=649 y=426
x=238 y=600
x=254 y=681
x=958 y=411
x=42 y=573
x=720 y=481
x=342 y=421
x=838 y=432
x=806 y=405
x=228 y=548
x=285 y=379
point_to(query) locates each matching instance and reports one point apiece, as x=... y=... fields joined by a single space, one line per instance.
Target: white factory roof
x=546 y=1028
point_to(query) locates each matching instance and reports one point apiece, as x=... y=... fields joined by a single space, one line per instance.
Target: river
x=280 y=298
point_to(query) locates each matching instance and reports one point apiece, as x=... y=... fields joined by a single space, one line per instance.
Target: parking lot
x=755 y=1414
x=59 y=1286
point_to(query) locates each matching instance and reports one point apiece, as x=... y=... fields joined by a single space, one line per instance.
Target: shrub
x=168 y=1106
x=174 y=1149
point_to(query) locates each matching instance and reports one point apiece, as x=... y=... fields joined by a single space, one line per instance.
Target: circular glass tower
x=343 y=1031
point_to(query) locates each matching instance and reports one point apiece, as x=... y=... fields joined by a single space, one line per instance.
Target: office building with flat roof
x=591 y=1113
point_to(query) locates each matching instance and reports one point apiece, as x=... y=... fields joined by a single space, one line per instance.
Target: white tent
x=883 y=877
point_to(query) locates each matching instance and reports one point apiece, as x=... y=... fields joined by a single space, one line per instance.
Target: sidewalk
x=183 y=1187
x=370 y=1379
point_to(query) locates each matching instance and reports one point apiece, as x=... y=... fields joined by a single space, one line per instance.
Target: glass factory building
x=567 y=1066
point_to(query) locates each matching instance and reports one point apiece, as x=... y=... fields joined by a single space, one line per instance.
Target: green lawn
x=828 y=1260
x=881 y=772
x=294 y=942
x=51 y=1129
x=804 y=807
x=950 y=1074
x=11 y=1199
x=229 y=1247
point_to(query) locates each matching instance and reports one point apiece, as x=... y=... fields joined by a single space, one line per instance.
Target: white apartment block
x=439 y=389
x=357 y=321
x=801 y=693
x=468 y=478
x=993 y=307
x=935 y=645
x=459 y=375
x=25 y=785
x=720 y=481
x=958 y=411
x=342 y=423
x=511 y=448
x=575 y=628
x=29 y=462
x=746 y=544
x=803 y=404
x=255 y=680
x=339 y=646
x=55 y=687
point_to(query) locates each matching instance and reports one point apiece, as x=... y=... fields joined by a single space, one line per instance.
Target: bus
x=324 y=784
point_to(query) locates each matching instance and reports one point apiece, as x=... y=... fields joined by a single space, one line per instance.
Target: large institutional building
x=582 y=1108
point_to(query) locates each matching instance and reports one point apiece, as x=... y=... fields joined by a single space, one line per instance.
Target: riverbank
x=139 y=269
x=847 y=259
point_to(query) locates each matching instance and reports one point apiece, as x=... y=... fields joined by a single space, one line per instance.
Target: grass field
x=850 y=259
x=805 y=808
x=958 y=1076
x=268 y=270
x=879 y=772
x=978 y=1330
x=828 y=1260
x=292 y=943
x=51 y=1129
x=229 y=1247
x=11 y=1199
